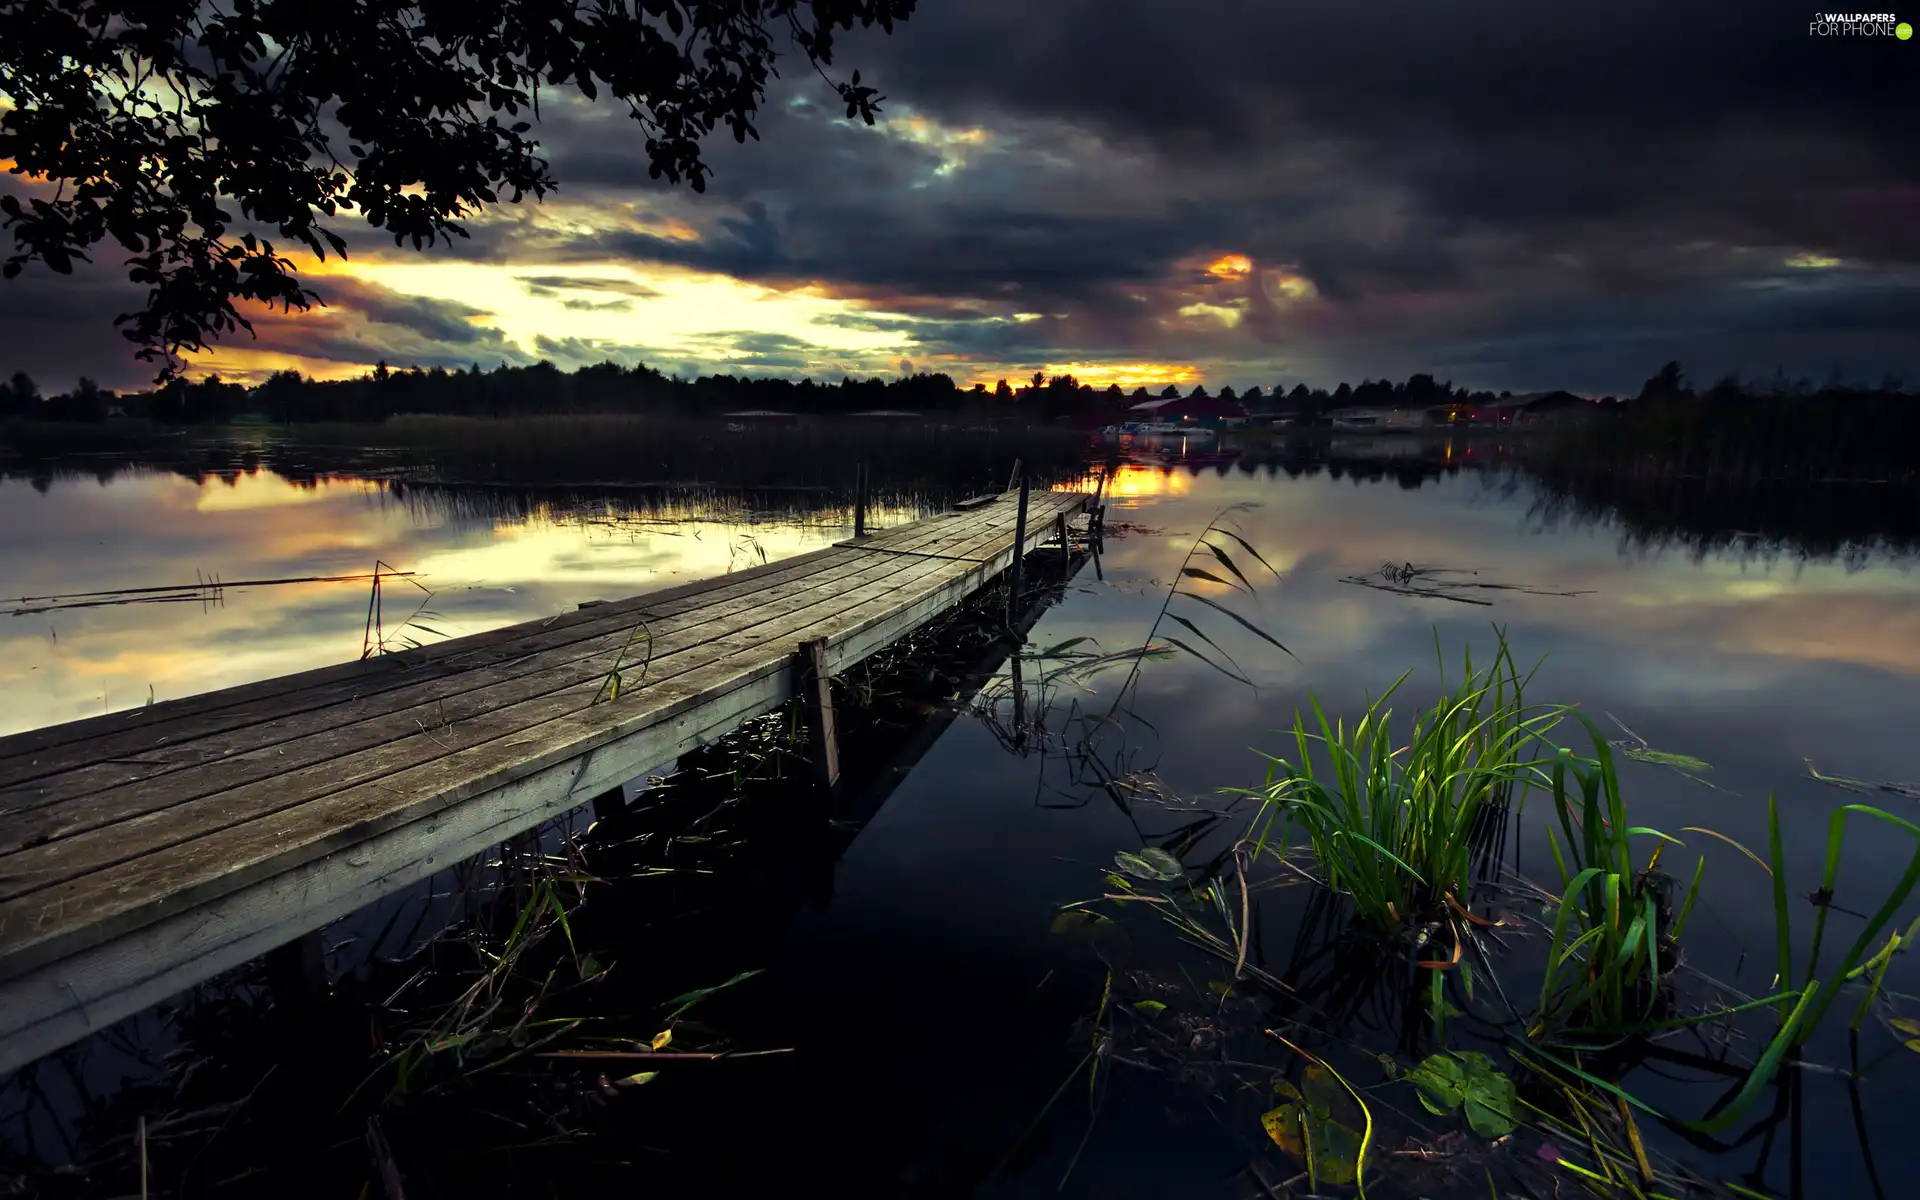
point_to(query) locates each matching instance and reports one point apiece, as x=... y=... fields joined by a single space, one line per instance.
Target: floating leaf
x=1467 y=1079
x=1330 y=1148
x=661 y=1039
x=1150 y=1006
x=1490 y=1109
x=1075 y=920
x=1220 y=988
x=1442 y=1083
x=1151 y=863
x=1283 y=1126
x=1911 y=1028
x=640 y=1077
x=1680 y=762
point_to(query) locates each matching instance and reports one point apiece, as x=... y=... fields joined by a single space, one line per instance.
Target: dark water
x=932 y=1011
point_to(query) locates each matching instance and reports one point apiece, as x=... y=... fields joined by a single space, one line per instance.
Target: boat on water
x=1156 y=429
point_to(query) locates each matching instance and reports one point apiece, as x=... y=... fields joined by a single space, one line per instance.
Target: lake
x=933 y=1010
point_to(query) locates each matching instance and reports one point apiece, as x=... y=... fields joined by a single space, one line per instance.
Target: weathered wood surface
x=146 y=851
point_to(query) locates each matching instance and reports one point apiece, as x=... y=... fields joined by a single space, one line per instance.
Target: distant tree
x=1061 y=383
x=1114 y=392
x=86 y=402
x=1141 y=393
x=979 y=389
x=1728 y=387
x=1003 y=390
x=1039 y=379
x=293 y=111
x=1227 y=393
x=1170 y=392
x=1668 y=383
x=1199 y=392
x=1252 y=395
x=1343 y=394
x=19 y=396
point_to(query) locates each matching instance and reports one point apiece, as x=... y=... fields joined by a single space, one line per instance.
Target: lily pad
x=1307 y=1128
x=1076 y=920
x=1150 y=1006
x=1151 y=863
x=1466 y=1079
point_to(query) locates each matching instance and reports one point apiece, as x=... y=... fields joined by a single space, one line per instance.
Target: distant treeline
x=811 y=467
x=1759 y=427
x=1775 y=428
x=543 y=389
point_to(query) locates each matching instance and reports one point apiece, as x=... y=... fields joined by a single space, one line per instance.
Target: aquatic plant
x=1399 y=830
x=1614 y=928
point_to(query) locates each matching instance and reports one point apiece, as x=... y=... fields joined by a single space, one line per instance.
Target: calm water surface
x=933 y=1011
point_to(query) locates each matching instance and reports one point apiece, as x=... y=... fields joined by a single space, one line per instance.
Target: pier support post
x=860 y=500
x=1019 y=555
x=816 y=701
x=297 y=972
x=1066 y=547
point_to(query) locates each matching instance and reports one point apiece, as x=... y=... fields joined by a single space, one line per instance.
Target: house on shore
x=1529 y=408
x=1378 y=419
x=1211 y=411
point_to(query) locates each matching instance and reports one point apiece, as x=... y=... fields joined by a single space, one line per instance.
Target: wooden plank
x=300 y=767
x=94 y=831
x=59 y=1003
x=147 y=725
x=125 y=964
x=128 y=761
x=432 y=703
x=590 y=746
x=91 y=729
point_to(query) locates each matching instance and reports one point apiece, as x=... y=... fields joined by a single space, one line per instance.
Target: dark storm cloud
x=1519 y=194
x=434 y=320
x=554 y=285
x=59 y=327
x=1516 y=165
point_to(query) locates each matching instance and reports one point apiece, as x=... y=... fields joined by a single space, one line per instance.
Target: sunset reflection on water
x=154 y=528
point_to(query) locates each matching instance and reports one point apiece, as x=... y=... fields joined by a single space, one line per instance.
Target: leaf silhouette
x=1216 y=666
x=1249 y=548
x=1250 y=626
x=1229 y=564
x=1202 y=573
x=1202 y=635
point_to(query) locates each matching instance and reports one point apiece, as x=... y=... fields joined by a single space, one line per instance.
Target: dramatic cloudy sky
x=1507 y=193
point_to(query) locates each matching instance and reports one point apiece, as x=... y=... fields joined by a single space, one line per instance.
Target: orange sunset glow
x=1230 y=266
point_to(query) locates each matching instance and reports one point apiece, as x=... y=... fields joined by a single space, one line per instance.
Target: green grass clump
x=1399 y=830
x=1614 y=929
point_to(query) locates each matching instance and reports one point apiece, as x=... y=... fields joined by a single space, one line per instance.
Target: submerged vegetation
x=1412 y=845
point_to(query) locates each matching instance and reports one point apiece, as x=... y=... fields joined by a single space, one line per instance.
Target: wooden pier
x=146 y=851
